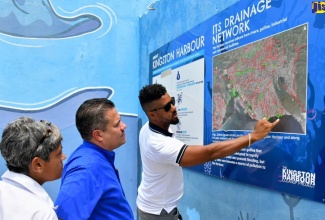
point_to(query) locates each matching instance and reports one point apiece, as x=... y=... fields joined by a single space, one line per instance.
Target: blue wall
x=41 y=69
x=207 y=197
x=57 y=53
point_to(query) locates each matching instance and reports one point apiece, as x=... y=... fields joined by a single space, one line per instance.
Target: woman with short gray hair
x=33 y=154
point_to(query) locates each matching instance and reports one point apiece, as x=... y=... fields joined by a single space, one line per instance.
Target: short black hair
x=150 y=93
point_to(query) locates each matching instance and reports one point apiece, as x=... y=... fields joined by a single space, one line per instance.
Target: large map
x=256 y=59
x=266 y=78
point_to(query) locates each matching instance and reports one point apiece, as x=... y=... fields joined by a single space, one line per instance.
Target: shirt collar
x=26 y=183
x=110 y=155
x=159 y=130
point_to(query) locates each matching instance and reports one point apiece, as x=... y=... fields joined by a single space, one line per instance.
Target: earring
x=41 y=170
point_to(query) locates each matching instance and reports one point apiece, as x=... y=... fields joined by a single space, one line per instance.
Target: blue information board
x=256 y=59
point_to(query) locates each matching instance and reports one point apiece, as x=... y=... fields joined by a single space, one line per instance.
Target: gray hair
x=24 y=139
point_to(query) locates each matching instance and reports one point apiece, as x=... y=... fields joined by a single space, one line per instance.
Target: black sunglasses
x=167 y=106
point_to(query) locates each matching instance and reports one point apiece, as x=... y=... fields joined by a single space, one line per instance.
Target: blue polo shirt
x=90 y=187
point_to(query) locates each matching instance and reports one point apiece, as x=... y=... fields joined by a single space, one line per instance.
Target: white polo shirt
x=161 y=185
x=21 y=197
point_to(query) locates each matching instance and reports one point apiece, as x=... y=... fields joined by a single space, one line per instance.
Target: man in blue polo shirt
x=90 y=187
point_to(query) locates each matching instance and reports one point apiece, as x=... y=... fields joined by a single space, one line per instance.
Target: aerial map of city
x=266 y=78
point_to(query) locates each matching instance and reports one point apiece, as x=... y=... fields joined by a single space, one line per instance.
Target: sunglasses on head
x=167 y=106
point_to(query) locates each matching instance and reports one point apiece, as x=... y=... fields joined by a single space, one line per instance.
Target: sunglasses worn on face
x=167 y=106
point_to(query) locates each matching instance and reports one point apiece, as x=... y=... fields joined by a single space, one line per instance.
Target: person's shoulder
x=87 y=160
x=30 y=206
x=45 y=212
x=82 y=153
x=145 y=126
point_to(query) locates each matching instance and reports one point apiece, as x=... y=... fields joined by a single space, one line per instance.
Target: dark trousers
x=164 y=215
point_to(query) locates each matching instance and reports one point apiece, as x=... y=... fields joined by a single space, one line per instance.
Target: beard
x=174 y=121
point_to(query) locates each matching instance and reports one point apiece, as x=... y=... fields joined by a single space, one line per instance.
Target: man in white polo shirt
x=163 y=155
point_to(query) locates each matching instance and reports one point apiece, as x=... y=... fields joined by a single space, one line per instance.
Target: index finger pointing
x=275 y=122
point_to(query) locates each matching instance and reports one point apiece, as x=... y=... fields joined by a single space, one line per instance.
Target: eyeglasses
x=167 y=106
